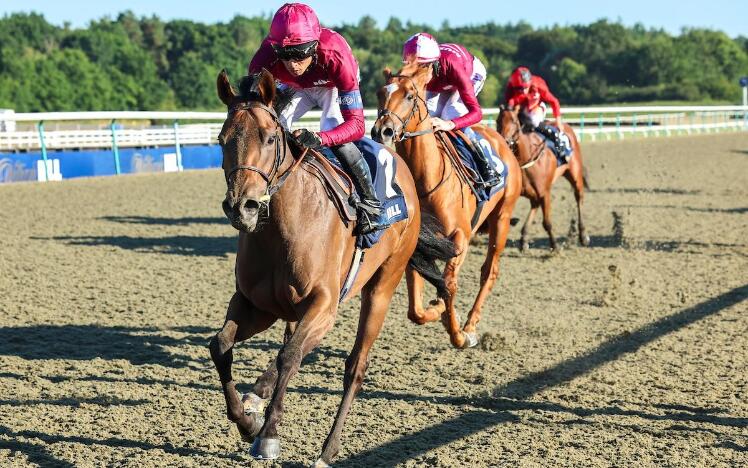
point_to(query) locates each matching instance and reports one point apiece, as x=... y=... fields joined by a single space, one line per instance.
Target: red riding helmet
x=294 y=31
x=521 y=78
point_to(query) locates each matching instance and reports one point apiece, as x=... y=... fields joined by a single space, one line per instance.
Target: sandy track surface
x=633 y=352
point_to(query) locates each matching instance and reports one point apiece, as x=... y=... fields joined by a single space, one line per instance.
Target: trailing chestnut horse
x=405 y=120
x=293 y=255
x=540 y=171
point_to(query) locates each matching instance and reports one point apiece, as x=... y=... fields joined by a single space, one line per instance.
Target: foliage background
x=144 y=63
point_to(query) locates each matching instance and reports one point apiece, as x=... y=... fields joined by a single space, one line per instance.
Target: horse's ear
x=265 y=87
x=387 y=72
x=225 y=92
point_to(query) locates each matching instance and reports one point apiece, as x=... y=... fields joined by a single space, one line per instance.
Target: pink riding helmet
x=293 y=24
x=423 y=46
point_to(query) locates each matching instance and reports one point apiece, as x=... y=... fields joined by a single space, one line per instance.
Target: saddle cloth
x=468 y=159
x=561 y=159
x=383 y=167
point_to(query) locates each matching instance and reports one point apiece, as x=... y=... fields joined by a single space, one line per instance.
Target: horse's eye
x=271 y=139
x=221 y=141
x=409 y=96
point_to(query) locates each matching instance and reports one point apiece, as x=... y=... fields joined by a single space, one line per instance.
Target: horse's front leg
x=318 y=315
x=243 y=320
x=254 y=401
x=450 y=318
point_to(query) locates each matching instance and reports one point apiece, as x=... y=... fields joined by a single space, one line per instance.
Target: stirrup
x=367 y=222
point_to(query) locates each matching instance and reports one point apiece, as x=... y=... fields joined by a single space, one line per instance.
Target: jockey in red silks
x=316 y=68
x=456 y=79
x=531 y=94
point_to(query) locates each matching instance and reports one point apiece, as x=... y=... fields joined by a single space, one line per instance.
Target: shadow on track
x=158 y=221
x=466 y=424
x=202 y=246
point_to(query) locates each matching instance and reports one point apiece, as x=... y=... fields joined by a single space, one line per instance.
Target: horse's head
x=402 y=104
x=508 y=125
x=253 y=144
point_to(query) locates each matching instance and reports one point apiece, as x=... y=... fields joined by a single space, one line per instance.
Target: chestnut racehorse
x=293 y=255
x=404 y=119
x=540 y=171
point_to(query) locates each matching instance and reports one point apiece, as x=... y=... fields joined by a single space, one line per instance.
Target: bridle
x=404 y=122
x=280 y=155
x=513 y=142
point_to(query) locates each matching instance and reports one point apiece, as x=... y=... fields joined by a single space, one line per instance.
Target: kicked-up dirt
x=632 y=352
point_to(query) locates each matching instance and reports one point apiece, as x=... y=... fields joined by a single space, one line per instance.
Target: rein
x=280 y=156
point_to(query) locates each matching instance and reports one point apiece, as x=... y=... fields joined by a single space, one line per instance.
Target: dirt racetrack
x=633 y=352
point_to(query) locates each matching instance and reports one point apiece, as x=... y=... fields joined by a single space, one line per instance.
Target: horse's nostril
x=250 y=205
x=388 y=132
x=226 y=206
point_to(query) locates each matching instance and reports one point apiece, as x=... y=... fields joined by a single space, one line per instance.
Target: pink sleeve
x=264 y=58
x=467 y=94
x=343 y=70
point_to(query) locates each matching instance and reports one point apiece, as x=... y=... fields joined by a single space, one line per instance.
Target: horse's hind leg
x=375 y=300
x=416 y=312
x=243 y=320
x=524 y=244
x=318 y=316
x=499 y=230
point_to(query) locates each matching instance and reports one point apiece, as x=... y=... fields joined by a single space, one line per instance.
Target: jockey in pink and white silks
x=316 y=68
x=457 y=78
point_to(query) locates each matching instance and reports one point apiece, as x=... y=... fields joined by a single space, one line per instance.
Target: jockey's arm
x=343 y=71
x=467 y=93
x=263 y=58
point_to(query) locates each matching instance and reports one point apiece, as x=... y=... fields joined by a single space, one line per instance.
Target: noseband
x=280 y=134
x=404 y=123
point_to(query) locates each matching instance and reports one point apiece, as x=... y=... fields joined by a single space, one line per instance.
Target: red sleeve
x=547 y=96
x=464 y=86
x=264 y=58
x=343 y=72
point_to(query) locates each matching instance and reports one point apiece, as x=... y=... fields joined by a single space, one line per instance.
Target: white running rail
x=73 y=130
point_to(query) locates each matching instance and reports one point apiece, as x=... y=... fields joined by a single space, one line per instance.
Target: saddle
x=467 y=174
x=337 y=184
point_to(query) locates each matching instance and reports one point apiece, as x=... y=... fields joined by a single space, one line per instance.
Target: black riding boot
x=485 y=168
x=369 y=208
x=554 y=134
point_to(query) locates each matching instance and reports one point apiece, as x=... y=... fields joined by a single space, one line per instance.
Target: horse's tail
x=585 y=178
x=432 y=245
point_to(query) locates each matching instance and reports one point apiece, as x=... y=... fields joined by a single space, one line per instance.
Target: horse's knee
x=219 y=345
x=354 y=372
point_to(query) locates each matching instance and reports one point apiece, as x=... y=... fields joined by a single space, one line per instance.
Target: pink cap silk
x=294 y=23
x=423 y=46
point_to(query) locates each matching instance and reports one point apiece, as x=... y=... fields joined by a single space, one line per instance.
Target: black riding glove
x=309 y=139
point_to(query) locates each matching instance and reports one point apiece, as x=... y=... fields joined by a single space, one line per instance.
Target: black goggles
x=295 y=52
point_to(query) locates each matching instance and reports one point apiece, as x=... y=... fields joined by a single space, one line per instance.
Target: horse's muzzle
x=383 y=131
x=243 y=212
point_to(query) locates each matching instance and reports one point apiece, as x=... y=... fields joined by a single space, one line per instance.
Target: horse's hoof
x=524 y=246
x=320 y=463
x=265 y=449
x=253 y=403
x=471 y=339
x=585 y=240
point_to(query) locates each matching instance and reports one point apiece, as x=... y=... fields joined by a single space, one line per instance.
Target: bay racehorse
x=293 y=255
x=404 y=120
x=540 y=171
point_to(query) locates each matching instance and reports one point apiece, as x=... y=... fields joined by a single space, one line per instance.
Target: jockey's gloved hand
x=439 y=124
x=309 y=139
